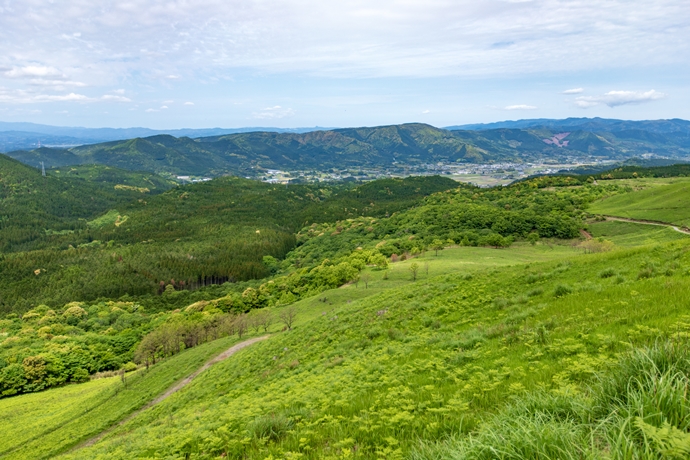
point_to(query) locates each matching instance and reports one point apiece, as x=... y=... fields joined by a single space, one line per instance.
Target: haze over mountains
x=247 y=151
x=17 y=135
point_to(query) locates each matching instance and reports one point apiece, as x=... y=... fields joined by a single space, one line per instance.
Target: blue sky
x=296 y=63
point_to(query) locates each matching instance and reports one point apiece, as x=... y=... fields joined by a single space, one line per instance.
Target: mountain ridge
x=412 y=144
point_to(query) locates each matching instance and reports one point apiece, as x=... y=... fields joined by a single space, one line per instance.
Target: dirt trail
x=683 y=230
x=172 y=390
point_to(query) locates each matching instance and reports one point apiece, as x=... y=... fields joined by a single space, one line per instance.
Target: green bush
x=562 y=290
x=273 y=427
x=607 y=273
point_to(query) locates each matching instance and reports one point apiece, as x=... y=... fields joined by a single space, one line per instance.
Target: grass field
x=426 y=360
x=628 y=234
x=51 y=421
x=662 y=200
x=479 y=340
x=41 y=425
x=456 y=260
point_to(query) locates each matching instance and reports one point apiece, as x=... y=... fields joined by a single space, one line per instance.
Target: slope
x=189 y=237
x=370 y=379
x=57 y=417
x=32 y=206
x=657 y=200
x=43 y=424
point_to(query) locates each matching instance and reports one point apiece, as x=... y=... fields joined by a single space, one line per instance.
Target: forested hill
x=33 y=206
x=251 y=153
x=193 y=235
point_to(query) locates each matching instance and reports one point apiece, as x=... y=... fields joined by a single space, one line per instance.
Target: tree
x=426 y=268
x=533 y=238
x=414 y=268
x=287 y=316
x=437 y=245
x=265 y=319
x=380 y=261
x=241 y=325
x=366 y=277
x=497 y=241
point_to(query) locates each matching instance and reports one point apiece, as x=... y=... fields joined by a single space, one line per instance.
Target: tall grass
x=638 y=409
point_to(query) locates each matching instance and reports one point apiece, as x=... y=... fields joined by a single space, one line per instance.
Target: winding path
x=172 y=390
x=683 y=230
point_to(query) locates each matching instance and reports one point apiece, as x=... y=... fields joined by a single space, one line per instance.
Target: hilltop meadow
x=416 y=318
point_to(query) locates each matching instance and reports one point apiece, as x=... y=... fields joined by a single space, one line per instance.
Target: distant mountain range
x=18 y=136
x=584 y=124
x=250 y=153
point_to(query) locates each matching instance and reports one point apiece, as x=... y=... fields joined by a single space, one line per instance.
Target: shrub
x=273 y=427
x=646 y=273
x=395 y=334
x=373 y=333
x=562 y=290
x=470 y=339
x=535 y=292
x=607 y=273
x=129 y=367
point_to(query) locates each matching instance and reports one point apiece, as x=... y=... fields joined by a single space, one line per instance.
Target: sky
x=168 y=64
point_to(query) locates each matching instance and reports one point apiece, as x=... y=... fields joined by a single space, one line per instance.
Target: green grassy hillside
x=41 y=425
x=398 y=329
x=659 y=200
x=374 y=378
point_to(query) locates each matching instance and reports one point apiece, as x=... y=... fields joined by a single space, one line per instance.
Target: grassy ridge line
x=425 y=361
x=661 y=200
x=141 y=389
x=628 y=234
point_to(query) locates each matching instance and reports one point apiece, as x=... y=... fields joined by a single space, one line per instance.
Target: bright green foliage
x=370 y=378
x=659 y=201
x=46 y=348
x=44 y=424
x=628 y=234
x=639 y=409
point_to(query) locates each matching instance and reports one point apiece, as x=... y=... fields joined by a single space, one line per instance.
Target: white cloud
x=188 y=103
x=118 y=91
x=115 y=98
x=71 y=97
x=573 y=91
x=55 y=83
x=31 y=71
x=163 y=107
x=425 y=111
x=345 y=38
x=151 y=110
x=520 y=107
x=275 y=112
x=618 y=98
